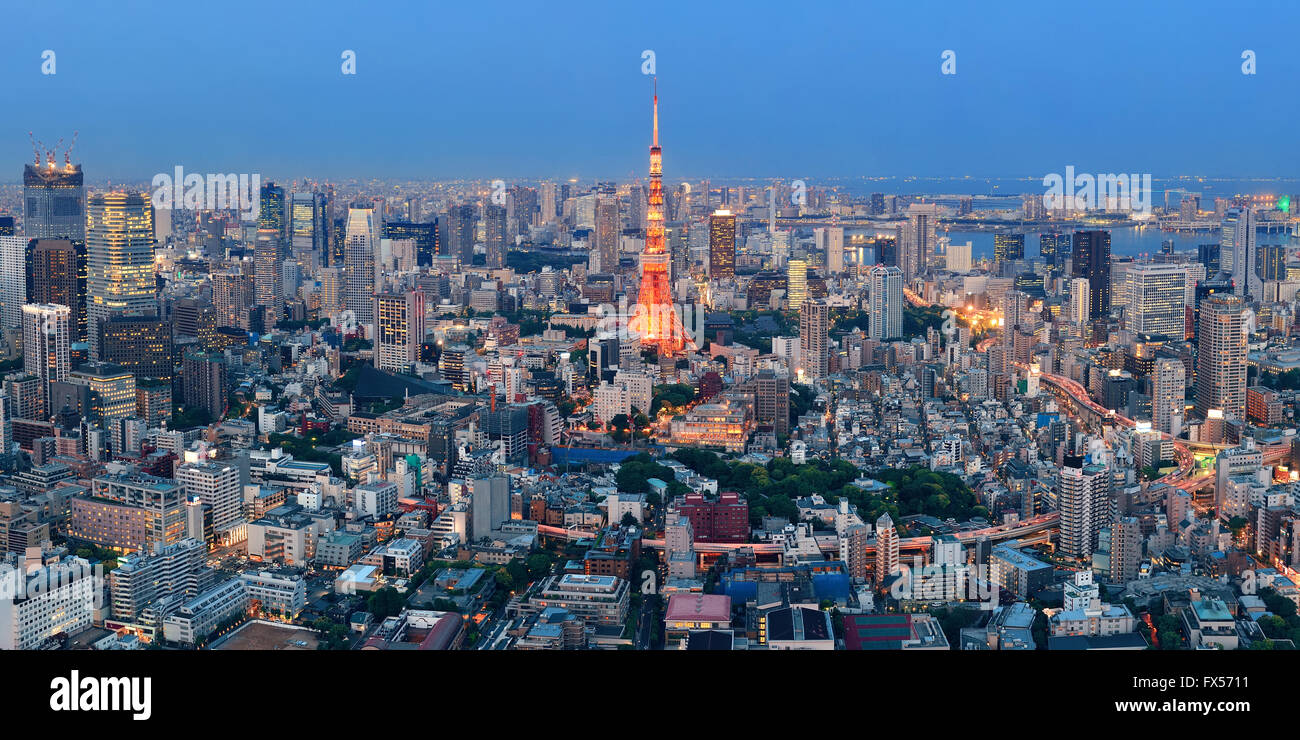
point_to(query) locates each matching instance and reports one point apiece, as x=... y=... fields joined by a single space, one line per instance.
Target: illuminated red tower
x=654 y=317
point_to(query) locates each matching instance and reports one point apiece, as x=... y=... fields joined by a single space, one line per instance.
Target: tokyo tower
x=654 y=317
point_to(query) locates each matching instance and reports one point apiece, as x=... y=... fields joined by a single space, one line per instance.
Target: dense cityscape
x=505 y=332
x=564 y=415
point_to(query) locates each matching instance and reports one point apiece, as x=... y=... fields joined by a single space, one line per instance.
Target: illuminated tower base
x=655 y=317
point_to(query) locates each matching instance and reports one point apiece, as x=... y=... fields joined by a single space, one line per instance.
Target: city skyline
x=848 y=105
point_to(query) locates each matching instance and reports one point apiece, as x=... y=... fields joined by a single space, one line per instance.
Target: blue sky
x=532 y=89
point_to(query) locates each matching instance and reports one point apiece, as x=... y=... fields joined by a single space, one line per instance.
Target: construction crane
x=67 y=155
x=36 y=147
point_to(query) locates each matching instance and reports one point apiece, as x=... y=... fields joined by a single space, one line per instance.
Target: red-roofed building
x=688 y=612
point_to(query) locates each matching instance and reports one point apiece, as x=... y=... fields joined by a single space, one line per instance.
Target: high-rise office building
x=1221 y=356
x=47 y=340
x=399 y=330
x=1168 y=395
x=425 y=236
x=796 y=282
x=272 y=212
x=56 y=273
x=1083 y=494
x=54 y=202
x=332 y=291
x=1091 y=260
x=494 y=224
x=722 y=245
x=120 y=260
x=1271 y=262
x=460 y=233
x=309 y=224
x=1009 y=247
x=13 y=280
x=1054 y=248
x=112 y=394
x=1156 y=299
x=831 y=241
x=886 y=303
x=142 y=346
x=359 y=263
x=268 y=275
x=918 y=241
x=607 y=233
x=814 y=339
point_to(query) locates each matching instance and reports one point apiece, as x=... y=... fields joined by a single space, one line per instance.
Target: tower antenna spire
x=656 y=133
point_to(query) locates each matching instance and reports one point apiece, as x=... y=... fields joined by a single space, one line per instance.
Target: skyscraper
x=772 y=400
x=494 y=223
x=399 y=330
x=1054 y=248
x=460 y=233
x=231 y=297
x=268 y=256
x=1221 y=356
x=607 y=232
x=722 y=245
x=56 y=274
x=204 y=379
x=653 y=317
x=1168 y=395
x=47 y=353
x=54 y=201
x=1009 y=247
x=120 y=260
x=1157 y=296
x=886 y=303
x=918 y=242
x=424 y=234
x=1083 y=493
x=359 y=263
x=272 y=210
x=796 y=283
x=1080 y=303
x=814 y=330
x=13 y=281
x=308 y=224
x=831 y=241
x=887 y=550
x=1241 y=221
x=1271 y=262
x=1092 y=261
x=140 y=345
